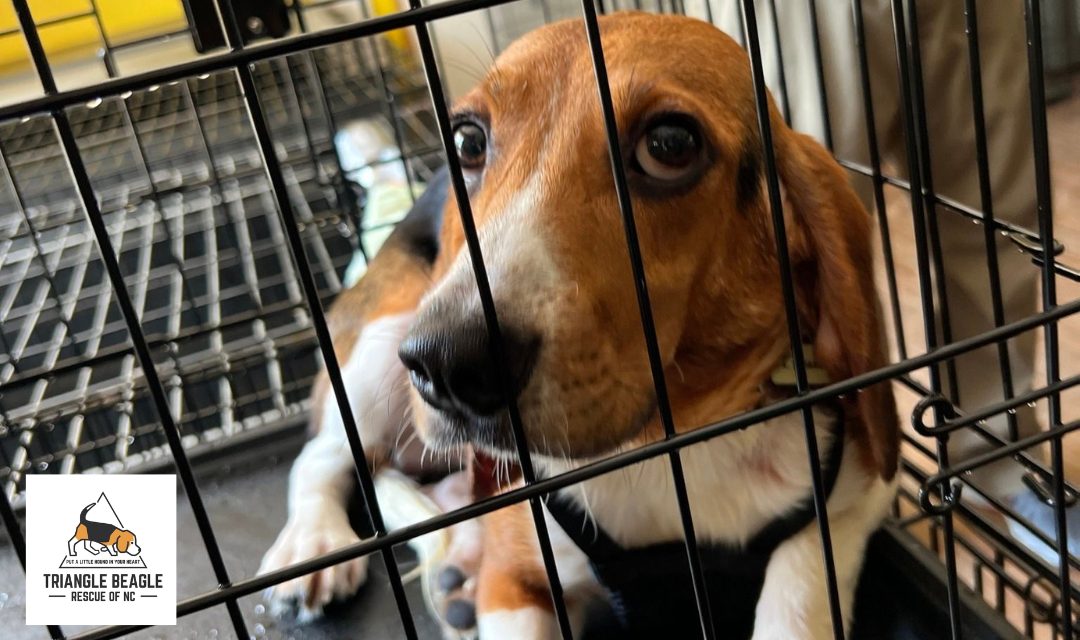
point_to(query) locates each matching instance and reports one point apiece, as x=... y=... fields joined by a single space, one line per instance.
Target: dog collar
x=784 y=376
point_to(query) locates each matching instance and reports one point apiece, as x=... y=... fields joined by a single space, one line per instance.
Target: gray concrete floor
x=247 y=509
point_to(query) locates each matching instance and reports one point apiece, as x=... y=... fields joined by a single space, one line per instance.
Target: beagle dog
x=412 y=339
x=108 y=537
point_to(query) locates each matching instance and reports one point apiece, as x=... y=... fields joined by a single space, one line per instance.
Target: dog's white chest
x=736 y=484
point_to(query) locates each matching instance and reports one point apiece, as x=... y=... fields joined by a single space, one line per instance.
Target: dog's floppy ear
x=849 y=339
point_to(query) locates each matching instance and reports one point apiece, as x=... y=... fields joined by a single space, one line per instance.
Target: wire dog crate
x=169 y=236
x=183 y=194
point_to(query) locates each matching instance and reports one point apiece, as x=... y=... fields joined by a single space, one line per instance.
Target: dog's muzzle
x=451 y=364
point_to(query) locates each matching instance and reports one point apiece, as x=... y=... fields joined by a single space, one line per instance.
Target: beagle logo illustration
x=101 y=549
x=95 y=537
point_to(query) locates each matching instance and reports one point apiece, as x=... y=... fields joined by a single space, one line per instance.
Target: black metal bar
x=992 y=564
x=110 y=632
x=129 y=124
x=241 y=57
x=1029 y=622
x=976 y=574
x=922 y=145
x=152 y=341
x=1004 y=406
x=623 y=460
x=1058 y=268
x=294 y=93
x=791 y=314
x=55 y=367
x=110 y=61
x=71 y=17
x=116 y=277
x=301 y=19
x=490 y=19
x=545 y=11
x=708 y=11
x=656 y=364
x=999 y=585
x=11 y=523
x=384 y=543
x=951 y=205
x=144 y=163
x=186 y=187
x=925 y=289
x=986 y=528
x=967 y=420
x=785 y=99
x=1018 y=552
x=269 y=157
x=1044 y=199
x=823 y=94
x=15 y=534
x=331 y=121
x=491 y=319
x=391 y=108
x=205 y=34
x=876 y=178
x=1000 y=453
x=216 y=178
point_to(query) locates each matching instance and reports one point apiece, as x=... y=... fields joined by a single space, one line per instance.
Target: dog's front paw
x=302 y=540
x=453 y=578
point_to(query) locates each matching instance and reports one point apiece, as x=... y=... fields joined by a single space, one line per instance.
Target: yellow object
x=398 y=38
x=785 y=375
x=123 y=21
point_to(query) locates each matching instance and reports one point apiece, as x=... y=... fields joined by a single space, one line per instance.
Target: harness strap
x=592 y=540
x=598 y=545
x=641 y=580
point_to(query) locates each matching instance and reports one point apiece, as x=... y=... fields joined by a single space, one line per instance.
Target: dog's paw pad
x=454 y=602
x=453 y=599
x=460 y=614
x=450 y=579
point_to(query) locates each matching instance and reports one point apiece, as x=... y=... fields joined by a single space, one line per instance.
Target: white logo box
x=101 y=549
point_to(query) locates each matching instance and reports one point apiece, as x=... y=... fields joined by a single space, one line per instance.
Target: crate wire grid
x=207 y=180
x=283 y=176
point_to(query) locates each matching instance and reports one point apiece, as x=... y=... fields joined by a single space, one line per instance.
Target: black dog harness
x=650 y=587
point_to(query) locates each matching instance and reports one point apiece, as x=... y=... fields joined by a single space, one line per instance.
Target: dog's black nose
x=452 y=366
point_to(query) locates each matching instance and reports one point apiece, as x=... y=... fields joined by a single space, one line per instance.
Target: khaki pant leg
x=954 y=165
x=946 y=79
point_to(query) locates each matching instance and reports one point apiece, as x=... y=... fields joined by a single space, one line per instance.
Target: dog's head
x=125 y=543
x=531 y=140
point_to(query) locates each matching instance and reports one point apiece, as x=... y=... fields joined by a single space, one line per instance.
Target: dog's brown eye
x=471 y=144
x=668 y=150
